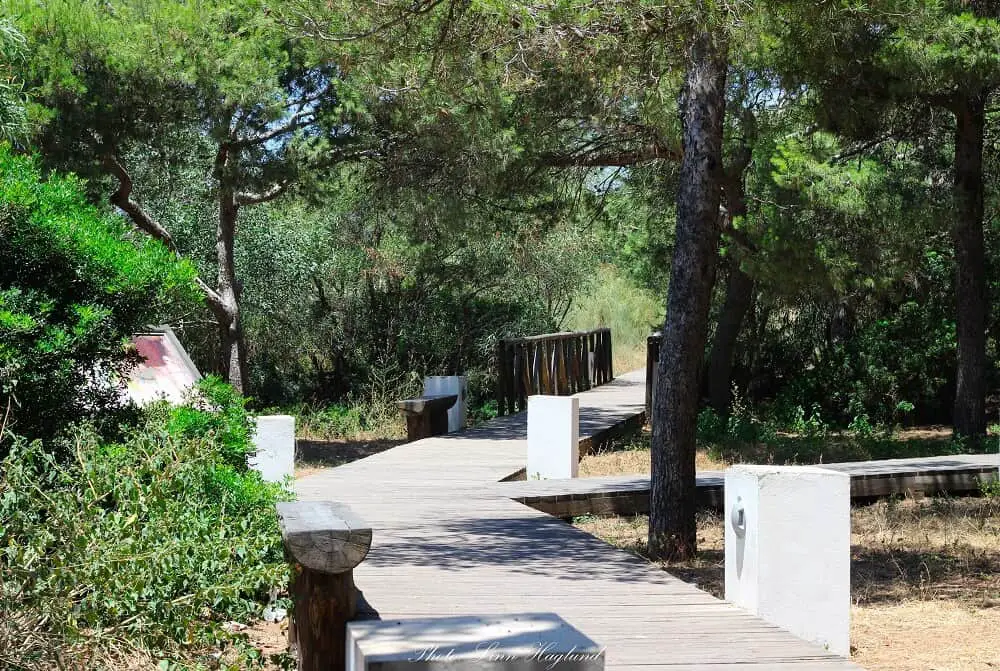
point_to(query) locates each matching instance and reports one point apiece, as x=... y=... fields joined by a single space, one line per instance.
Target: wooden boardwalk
x=447 y=541
x=629 y=494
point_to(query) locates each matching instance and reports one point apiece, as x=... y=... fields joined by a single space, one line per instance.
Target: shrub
x=73 y=287
x=331 y=422
x=141 y=547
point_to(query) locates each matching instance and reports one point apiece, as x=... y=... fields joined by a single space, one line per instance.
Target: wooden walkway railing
x=554 y=364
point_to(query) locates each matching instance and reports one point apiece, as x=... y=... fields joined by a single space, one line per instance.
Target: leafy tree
x=136 y=78
x=73 y=287
x=897 y=69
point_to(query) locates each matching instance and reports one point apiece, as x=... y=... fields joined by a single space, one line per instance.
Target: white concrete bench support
x=553 y=437
x=451 y=385
x=274 y=441
x=788 y=549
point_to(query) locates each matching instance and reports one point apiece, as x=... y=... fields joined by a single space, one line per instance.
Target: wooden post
x=574 y=368
x=611 y=364
x=501 y=395
x=542 y=354
x=599 y=357
x=509 y=380
x=527 y=377
x=559 y=361
x=652 y=365
x=325 y=540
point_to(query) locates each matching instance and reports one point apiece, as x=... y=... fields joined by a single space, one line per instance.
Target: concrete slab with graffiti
x=166 y=372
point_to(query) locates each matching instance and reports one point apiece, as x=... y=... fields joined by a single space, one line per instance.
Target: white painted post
x=448 y=385
x=275 y=443
x=553 y=437
x=788 y=549
x=519 y=642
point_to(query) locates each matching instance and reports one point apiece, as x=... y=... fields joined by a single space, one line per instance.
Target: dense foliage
x=74 y=284
x=140 y=549
x=380 y=191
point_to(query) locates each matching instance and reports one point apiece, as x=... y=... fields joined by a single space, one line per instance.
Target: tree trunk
x=739 y=285
x=232 y=345
x=970 y=269
x=739 y=296
x=702 y=107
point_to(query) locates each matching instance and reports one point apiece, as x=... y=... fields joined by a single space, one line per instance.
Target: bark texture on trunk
x=739 y=297
x=739 y=285
x=970 y=268
x=702 y=106
x=232 y=344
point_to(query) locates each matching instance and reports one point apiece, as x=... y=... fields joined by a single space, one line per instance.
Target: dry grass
x=925 y=579
x=631 y=455
x=620 y=462
x=939 y=635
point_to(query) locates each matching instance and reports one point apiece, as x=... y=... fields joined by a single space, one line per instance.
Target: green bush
x=73 y=287
x=218 y=410
x=329 y=423
x=143 y=547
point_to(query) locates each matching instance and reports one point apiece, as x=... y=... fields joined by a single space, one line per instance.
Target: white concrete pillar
x=788 y=549
x=448 y=385
x=275 y=443
x=520 y=642
x=553 y=437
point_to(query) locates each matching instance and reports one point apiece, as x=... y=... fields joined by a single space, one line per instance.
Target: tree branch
x=599 y=159
x=298 y=120
x=272 y=192
x=312 y=28
x=122 y=199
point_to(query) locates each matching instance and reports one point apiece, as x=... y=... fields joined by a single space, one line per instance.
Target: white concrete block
x=788 y=549
x=275 y=443
x=553 y=437
x=448 y=385
x=521 y=642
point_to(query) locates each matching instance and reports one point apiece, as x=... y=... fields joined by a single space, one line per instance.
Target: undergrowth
x=138 y=552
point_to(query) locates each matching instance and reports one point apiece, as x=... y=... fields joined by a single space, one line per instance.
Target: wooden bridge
x=448 y=541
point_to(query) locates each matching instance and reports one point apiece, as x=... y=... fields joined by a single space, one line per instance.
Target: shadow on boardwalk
x=536 y=545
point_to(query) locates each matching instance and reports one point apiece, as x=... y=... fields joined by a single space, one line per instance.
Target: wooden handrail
x=561 y=335
x=553 y=364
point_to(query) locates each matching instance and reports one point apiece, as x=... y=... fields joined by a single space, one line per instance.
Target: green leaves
x=149 y=544
x=73 y=287
x=13 y=118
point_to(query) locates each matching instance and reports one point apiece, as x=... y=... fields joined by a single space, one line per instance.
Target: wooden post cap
x=324 y=536
x=418 y=406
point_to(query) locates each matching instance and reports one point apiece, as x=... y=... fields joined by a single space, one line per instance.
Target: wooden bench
x=426 y=416
x=325 y=541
